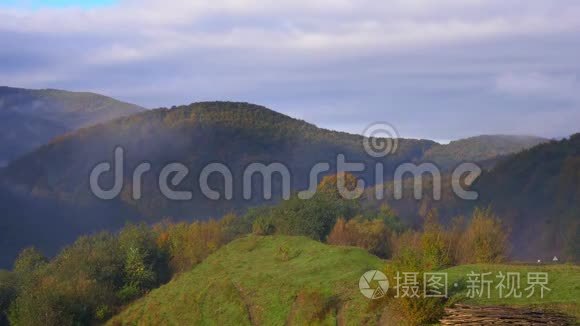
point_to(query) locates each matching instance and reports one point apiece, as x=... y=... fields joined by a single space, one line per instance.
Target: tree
x=186 y=244
x=340 y=234
x=435 y=242
x=409 y=257
x=485 y=240
x=29 y=260
x=144 y=262
x=371 y=235
x=8 y=291
x=391 y=219
x=314 y=217
x=330 y=184
x=73 y=286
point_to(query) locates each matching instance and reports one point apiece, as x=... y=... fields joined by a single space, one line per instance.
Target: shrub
x=93 y=277
x=129 y=292
x=435 y=243
x=390 y=218
x=69 y=289
x=313 y=217
x=371 y=235
x=412 y=310
x=485 y=240
x=29 y=260
x=144 y=262
x=263 y=226
x=187 y=244
x=407 y=241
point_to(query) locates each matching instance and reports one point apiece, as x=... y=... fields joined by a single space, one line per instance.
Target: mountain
x=30 y=118
x=535 y=192
x=52 y=183
x=46 y=198
x=20 y=133
x=484 y=148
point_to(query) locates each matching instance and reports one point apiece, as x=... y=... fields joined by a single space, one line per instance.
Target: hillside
x=538 y=193
x=20 y=133
x=560 y=277
x=235 y=134
x=535 y=192
x=479 y=148
x=30 y=118
x=253 y=282
x=281 y=280
x=49 y=187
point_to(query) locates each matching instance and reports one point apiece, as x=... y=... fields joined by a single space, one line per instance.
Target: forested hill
x=236 y=134
x=30 y=118
x=48 y=201
x=480 y=149
x=538 y=192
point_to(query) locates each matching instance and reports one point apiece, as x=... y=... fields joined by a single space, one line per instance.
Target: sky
x=38 y=4
x=436 y=69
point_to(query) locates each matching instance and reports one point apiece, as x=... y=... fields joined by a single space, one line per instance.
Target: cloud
x=425 y=64
x=565 y=87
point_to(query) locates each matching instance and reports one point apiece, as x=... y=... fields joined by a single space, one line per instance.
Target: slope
x=479 y=148
x=235 y=134
x=538 y=194
x=535 y=192
x=30 y=118
x=266 y=281
x=280 y=280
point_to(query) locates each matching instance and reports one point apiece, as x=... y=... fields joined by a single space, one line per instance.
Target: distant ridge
x=480 y=148
x=536 y=193
x=236 y=134
x=30 y=118
x=48 y=187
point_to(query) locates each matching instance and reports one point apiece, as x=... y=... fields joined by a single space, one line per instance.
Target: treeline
x=92 y=279
x=481 y=239
x=479 y=148
x=327 y=216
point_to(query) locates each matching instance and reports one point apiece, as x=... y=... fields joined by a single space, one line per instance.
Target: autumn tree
x=371 y=235
x=29 y=260
x=485 y=240
x=435 y=242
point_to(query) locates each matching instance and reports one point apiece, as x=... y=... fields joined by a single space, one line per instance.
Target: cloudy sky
x=438 y=69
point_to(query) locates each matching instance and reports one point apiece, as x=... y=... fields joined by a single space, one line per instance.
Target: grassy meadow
x=279 y=280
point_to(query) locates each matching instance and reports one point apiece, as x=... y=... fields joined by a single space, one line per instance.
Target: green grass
x=279 y=280
x=263 y=280
x=563 y=282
